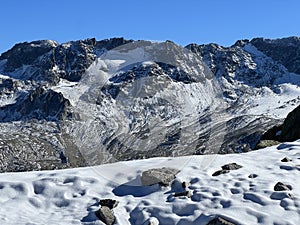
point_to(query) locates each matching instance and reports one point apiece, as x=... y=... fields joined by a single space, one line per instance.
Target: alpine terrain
x=91 y=102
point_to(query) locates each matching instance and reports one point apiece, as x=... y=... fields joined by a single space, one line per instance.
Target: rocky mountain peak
x=285 y=51
x=26 y=53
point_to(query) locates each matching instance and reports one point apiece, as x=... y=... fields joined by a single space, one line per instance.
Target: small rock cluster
x=226 y=169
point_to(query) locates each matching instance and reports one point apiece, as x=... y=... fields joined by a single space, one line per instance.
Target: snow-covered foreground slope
x=71 y=196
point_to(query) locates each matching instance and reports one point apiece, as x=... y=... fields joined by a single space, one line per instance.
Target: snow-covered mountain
x=90 y=102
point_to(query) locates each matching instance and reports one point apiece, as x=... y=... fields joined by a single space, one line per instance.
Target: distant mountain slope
x=89 y=102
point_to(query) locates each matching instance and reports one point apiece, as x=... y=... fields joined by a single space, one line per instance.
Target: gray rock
x=106 y=215
x=220 y=221
x=162 y=176
x=219 y=172
x=231 y=166
x=110 y=203
x=282 y=187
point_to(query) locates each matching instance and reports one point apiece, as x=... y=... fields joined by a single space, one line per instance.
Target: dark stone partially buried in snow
x=282 y=187
x=220 y=221
x=253 y=175
x=110 y=203
x=162 y=176
x=219 y=172
x=286 y=159
x=231 y=166
x=183 y=194
x=106 y=215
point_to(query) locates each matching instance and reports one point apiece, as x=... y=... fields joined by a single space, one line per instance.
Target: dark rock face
x=109 y=44
x=290 y=129
x=45 y=104
x=42 y=104
x=26 y=53
x=285 y=51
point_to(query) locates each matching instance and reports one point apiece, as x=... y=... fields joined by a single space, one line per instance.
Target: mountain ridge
x=120 y=99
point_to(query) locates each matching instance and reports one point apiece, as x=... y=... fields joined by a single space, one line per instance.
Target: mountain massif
x=90 y=102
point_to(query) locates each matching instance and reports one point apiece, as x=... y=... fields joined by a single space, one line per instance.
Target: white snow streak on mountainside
x=71 y=196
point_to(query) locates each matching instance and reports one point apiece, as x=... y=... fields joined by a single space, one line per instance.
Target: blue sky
x=184 y=22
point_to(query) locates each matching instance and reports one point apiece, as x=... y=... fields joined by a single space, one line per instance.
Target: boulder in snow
x=231 y=166
x=162 y=176
x=282 y=187
x=106 y=215
x=219 y=172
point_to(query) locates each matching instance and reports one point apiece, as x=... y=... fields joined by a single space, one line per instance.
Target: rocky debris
x=106 y=215
x=110 y=203
x=219 y=172
x=162 y=176
x=282 y=187
x=183 y=194
x=220 y=221
x=231 y=166
x=253 y=175
x=286 y=159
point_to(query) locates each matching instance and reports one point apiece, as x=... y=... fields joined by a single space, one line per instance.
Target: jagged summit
x=88 y=102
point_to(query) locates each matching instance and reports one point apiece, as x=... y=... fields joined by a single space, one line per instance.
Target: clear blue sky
x=184 y=22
